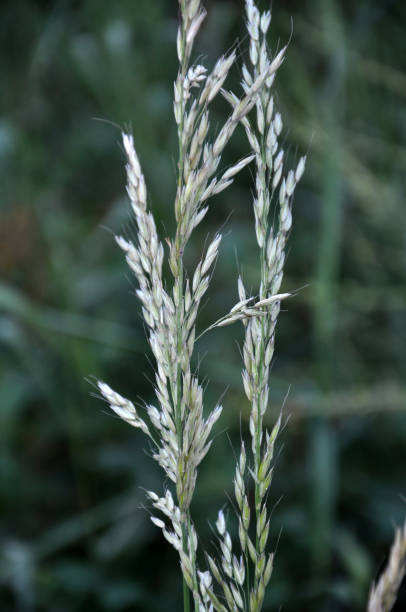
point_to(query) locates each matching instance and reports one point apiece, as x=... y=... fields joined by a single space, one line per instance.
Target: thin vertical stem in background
x=323 y=456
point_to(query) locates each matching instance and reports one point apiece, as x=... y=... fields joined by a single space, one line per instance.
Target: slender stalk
x=186 y=596
x=180 y=245
x=185 y=517
x=261 y=373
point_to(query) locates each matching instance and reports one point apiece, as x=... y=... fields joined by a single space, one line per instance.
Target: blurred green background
x=74 y=533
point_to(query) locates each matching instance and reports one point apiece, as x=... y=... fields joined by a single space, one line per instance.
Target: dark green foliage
x=74 y=535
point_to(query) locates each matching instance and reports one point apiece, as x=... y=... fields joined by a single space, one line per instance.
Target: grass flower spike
x=272 y=184
x=382 y=596
x=177 y=427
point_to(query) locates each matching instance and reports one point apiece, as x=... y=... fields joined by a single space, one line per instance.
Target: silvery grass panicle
x=178 y=431
x=382 y=596
x=244 y=577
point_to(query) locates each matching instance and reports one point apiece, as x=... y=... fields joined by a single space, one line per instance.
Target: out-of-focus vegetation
x=74 y=535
